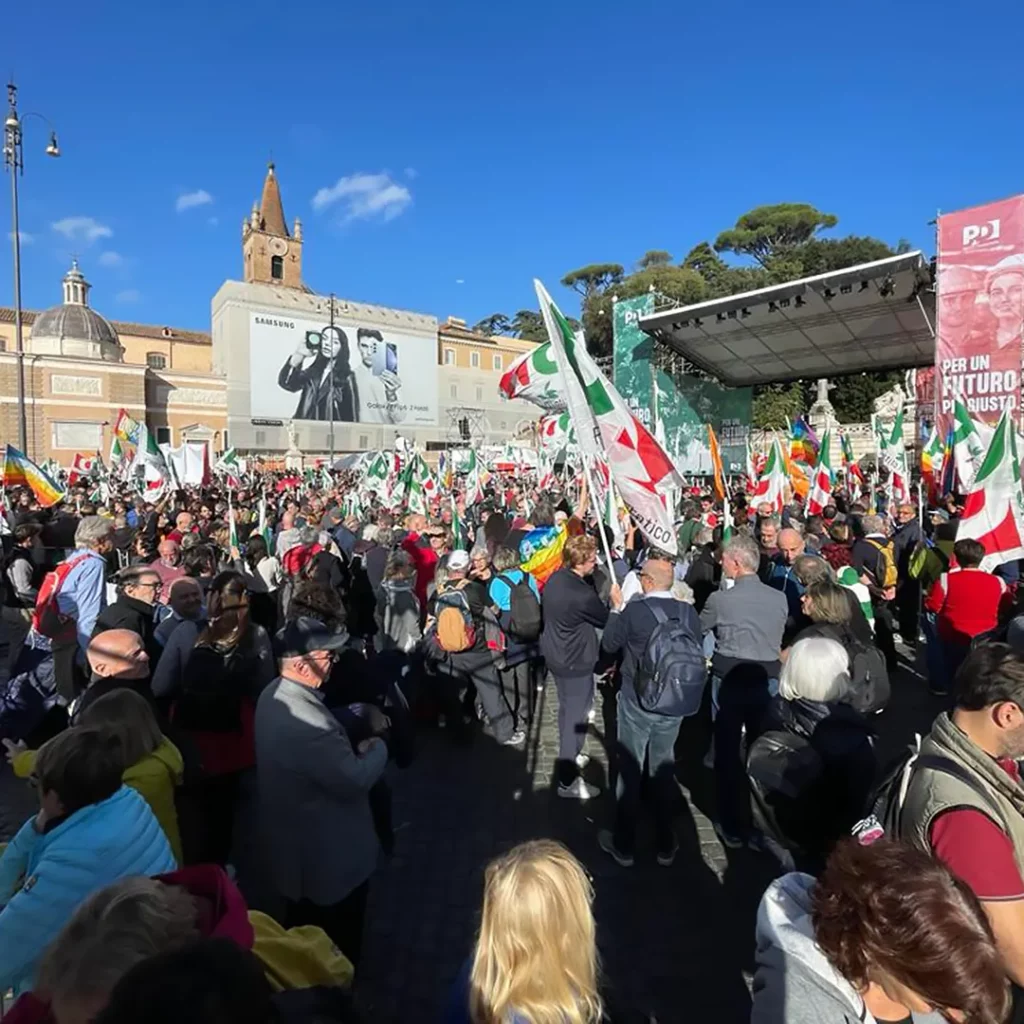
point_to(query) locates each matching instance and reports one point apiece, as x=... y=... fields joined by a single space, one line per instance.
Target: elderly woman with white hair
x=812 y=767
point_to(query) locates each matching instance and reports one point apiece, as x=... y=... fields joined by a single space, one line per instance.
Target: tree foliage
x=594 y=278
x=853 y=397
x=496 y=323
x=775 y=406
x=654 y=258
x=770 y=233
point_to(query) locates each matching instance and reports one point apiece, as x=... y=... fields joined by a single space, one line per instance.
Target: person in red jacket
x=966 y=601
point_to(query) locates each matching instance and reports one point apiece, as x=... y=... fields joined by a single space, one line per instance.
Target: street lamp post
x=15 y=163
x=329 y=332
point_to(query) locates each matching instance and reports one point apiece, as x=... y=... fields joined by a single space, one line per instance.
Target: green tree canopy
x=770 y=233
x=593 y=278
x=775 y=406
x=654 y=258
x=529 y=324
x=496 y=323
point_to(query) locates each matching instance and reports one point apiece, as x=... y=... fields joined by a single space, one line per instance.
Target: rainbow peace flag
x=541 y=552
x=804 y=444
x=21 y=471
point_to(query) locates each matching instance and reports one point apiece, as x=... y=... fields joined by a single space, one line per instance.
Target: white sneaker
x=578 y=790
x=592 y=716
x=517 y=739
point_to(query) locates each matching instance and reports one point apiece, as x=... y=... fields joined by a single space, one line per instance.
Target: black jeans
x=575 y=699
x=519 y=689
x=640 y=734
x=343 y=921
x=742 y=703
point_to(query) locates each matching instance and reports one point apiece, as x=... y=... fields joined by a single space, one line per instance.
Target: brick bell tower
x=269 y=254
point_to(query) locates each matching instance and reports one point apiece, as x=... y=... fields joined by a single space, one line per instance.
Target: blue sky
x=465 y=148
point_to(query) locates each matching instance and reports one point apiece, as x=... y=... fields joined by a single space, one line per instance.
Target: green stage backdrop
x=683 y=409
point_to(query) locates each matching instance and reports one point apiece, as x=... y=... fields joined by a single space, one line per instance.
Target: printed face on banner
x=352 y=372
x=980 y=310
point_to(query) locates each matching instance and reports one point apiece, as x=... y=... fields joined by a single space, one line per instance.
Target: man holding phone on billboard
x=376 y=377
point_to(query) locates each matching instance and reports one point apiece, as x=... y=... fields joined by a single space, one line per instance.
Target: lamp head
x=53 y=149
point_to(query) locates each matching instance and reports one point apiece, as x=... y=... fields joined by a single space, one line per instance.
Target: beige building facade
x=81 y=368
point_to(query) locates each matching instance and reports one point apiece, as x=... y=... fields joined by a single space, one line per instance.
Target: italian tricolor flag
x=994 y=510
x=821 y=483
x=771 y=484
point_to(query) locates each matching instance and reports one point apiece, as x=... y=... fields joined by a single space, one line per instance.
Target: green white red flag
x=821 y=482
x=607 y=430
x=474 y=484
x=535 y=377
x=994 y=510
x=971 y=438
x=771 y=484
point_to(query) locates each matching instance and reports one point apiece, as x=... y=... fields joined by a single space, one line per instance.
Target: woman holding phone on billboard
x=319 y=370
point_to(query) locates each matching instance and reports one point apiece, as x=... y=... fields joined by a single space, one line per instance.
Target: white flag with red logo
x=994 y=509
x=81 y=466
x=606 y=429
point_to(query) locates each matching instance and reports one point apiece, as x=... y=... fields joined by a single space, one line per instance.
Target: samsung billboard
x=357 y=372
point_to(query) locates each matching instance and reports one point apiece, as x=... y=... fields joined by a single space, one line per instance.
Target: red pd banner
x=980 y=310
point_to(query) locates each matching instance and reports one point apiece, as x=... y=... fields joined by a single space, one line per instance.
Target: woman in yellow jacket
x=154 y=762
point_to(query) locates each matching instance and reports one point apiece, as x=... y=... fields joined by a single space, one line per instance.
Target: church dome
x=72 y=328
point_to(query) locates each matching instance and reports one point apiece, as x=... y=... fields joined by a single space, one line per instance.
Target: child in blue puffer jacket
x=90 y=831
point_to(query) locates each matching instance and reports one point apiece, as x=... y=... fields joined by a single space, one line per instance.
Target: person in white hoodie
x=886 y=934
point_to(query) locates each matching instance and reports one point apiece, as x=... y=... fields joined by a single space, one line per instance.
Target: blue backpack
x=670 y=676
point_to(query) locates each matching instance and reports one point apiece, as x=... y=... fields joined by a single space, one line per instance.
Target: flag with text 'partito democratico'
x=980 y=311
x=606 y=429
x=994 y=509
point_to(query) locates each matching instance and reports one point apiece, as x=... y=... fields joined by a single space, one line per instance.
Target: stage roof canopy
x=874 y=316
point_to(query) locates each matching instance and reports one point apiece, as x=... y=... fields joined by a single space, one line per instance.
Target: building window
x=277 y=268
x=163 y=435
x=496 y=362
x=364 y=441
x=474 y=359
x=453 y=390
x=479 y=394
x=226 y=445
x=76 y=435
x=504 y=425
x=3 y=344
x=449 y=357
x=261 y=438
x=156 y=360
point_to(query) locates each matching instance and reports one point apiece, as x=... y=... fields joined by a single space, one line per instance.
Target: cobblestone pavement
x=675 y=942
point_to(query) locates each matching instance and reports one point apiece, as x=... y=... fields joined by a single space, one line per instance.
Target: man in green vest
x=970 y=813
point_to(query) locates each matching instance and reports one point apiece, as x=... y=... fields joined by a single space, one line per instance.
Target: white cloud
x=82 y=229
x=364 y=197
x=460 y=280
x=188 y=200
x=24 y=236
x=110 y=259
x=128 y=295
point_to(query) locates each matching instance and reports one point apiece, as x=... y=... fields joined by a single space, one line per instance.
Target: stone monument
x=293 y=458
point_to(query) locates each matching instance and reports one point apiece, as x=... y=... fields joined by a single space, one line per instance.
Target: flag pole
x=588 y=469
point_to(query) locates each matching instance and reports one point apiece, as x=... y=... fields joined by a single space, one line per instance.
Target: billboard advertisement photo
x=351 y=373
x=980 y=310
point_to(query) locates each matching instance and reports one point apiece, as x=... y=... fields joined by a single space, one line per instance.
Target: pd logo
x=979 y=234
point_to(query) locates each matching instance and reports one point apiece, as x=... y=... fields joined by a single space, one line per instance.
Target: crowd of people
x=174 y=667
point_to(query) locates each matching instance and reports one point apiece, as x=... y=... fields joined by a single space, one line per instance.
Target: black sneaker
x=606 y=841
x=666 y=858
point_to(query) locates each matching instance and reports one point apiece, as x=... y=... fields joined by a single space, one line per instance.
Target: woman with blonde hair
x=536 y=958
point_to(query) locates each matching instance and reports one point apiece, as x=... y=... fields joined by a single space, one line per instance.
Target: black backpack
x=670 y=676
x=524 y=608
x=885 y=806
x=869 y=676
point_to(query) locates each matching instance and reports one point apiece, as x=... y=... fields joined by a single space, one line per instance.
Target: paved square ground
x=675 y=942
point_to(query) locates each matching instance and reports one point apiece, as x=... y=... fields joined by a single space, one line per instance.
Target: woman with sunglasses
x=213 y=704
